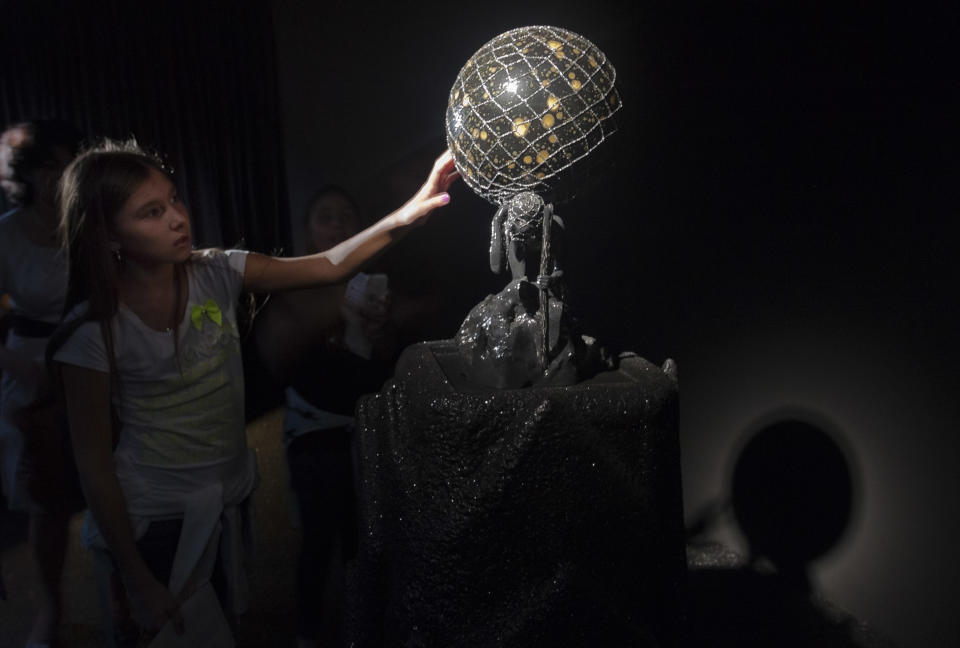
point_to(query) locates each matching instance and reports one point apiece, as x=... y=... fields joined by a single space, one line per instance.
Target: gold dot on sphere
x=519 y=127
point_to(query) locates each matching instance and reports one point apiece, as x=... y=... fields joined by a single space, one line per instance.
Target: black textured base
x=528 y=517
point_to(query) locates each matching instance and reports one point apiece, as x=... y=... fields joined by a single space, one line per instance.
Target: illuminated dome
x=525 y=108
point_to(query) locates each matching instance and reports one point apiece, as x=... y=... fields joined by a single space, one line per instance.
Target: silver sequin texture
x=525 y=108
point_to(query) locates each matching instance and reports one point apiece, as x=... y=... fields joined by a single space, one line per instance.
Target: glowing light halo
x=525 y=108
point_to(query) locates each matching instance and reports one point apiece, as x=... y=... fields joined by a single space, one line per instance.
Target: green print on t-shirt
x=197 y=404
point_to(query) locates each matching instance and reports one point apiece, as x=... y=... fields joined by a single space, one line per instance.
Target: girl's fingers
x=443 y=165
x=433 y=193
x=447 y=181
x=445 y=158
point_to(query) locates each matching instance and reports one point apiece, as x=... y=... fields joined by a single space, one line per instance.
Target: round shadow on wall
x=793 y=492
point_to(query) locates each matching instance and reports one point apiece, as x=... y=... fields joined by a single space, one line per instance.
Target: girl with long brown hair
x=151 y=334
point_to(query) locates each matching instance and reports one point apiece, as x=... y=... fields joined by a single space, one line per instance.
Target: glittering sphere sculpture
x=527 y=107
x=518 y=485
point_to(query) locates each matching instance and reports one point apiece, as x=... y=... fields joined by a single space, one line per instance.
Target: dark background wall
x=193 y=81
x=778 y=220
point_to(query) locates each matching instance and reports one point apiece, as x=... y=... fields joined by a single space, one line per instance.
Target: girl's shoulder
x=217 y=257
x=79 y=319
x=217 y=270
x=79 y=340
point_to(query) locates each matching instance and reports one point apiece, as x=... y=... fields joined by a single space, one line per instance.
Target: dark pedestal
x=528 y=517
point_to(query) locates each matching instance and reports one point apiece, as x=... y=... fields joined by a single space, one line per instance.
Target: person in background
x=329 y=345
x=33 y=278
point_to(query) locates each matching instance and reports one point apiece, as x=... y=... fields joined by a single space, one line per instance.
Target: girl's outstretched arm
x=88 y=411
x=268 y=274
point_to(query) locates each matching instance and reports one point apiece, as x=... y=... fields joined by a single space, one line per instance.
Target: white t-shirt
x=184 y=409
x=182 y=451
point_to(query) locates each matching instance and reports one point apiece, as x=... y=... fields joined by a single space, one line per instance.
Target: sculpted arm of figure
x=269 y=274
x=88 y=411
x=496 y=239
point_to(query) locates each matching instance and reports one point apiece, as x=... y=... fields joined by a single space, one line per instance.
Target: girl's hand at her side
x=153 y=605
x=432 y=194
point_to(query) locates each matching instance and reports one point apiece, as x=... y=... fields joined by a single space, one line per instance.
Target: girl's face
x=333 y=220
x=153 y=225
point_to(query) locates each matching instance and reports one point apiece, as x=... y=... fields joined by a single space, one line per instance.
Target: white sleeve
x=237 y=260
x=85 y=348
x=221 y=270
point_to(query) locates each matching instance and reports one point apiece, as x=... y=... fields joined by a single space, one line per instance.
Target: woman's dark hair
x=32 y=145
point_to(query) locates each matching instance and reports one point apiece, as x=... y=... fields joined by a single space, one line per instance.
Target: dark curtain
x=194 y=81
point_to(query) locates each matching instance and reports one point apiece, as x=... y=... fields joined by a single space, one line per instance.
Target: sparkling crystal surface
x=527 y=107
x=520 y=517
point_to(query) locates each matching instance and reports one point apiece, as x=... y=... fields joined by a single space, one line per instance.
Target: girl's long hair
x=93 y=190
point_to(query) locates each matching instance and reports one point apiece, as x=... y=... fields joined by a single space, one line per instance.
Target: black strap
x=31 y=328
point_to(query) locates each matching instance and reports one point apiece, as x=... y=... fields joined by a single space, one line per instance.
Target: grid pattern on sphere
x=526 y=107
